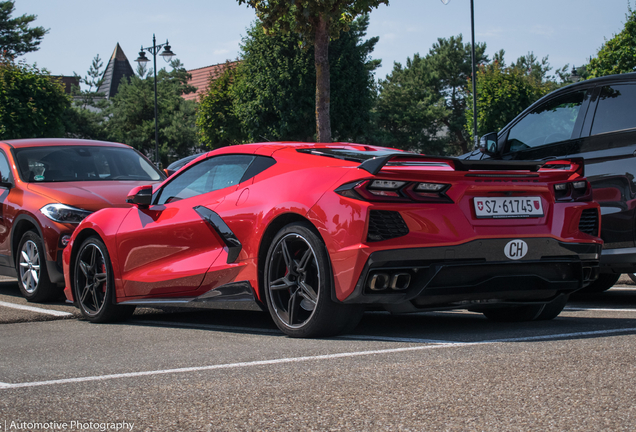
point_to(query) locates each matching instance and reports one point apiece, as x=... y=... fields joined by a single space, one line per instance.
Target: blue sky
x=206 y=32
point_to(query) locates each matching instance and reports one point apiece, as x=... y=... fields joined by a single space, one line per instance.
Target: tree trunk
x=321 y=60
x=462 y=142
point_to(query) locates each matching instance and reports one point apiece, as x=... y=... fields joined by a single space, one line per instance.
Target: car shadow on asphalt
x=424 y=327
x=453 y=326
x=473 y=327
x=221 y=320
x=10 y=289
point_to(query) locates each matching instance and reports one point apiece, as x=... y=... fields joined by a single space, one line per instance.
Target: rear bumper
x=476 y=272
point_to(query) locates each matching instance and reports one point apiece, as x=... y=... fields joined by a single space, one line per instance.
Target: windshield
x=83 y=163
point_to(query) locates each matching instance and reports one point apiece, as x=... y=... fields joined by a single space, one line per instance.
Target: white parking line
x=574 y=308
x=35 y=309
x=9 y=386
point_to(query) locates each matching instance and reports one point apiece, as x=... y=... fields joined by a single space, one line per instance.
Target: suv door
x=609 y=150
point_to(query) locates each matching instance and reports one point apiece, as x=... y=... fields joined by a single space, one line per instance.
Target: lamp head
x=167 y=54
x=142 y=57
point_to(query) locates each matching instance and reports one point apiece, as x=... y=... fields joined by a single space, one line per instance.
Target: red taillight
x=395 y=191
x=575 y=165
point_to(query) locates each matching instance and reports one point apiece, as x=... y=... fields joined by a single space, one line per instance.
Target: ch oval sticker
x=516 y=249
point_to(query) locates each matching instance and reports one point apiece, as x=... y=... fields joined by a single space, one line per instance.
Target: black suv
x=595 y=120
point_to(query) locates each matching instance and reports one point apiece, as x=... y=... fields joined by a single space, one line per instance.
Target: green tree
x=85 y=119
x=275 y=95
x=16 y=37
x=409 y=110
x=617 y=55
x=316 y=21
x=131 y=114
x=502 y=93
x=93 y=79
x=451 y=61
x=271 y=94
x=217 y=122
x=422 y=106
x=537 y=71
x=32 y=104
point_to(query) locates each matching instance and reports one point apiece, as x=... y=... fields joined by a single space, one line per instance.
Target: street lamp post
x=474 y=74
x=167 y=54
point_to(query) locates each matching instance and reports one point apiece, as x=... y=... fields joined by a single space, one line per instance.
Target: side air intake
x=588 y=223
x=385 y=225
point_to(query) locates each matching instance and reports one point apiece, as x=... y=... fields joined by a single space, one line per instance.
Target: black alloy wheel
x=298 y=284
x=93 y=284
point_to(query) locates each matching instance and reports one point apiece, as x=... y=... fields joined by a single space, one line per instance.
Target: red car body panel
x=164 y=252
x=170 y=251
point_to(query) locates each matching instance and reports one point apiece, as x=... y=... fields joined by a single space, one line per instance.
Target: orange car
x=47 y=186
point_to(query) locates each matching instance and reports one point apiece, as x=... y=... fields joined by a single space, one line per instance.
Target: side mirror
x=168 y=172
x=488 y=144
x=141 y=196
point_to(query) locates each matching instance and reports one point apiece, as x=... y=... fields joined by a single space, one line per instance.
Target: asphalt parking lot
x=233 y=370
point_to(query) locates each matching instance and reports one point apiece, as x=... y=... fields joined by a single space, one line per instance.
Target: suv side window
x=206 y=176
x=554 y=121
x=615 y=109
x=5 y=171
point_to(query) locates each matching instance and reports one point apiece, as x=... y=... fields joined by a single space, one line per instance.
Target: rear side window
x=616 y=109
x=549 y=123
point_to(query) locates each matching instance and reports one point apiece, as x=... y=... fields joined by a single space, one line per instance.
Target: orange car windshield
x=82 y=163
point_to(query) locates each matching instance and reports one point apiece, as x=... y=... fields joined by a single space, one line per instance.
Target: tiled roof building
x=201 y=78
x=118 y=68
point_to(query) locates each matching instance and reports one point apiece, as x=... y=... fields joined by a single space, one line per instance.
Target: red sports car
x=317 y=232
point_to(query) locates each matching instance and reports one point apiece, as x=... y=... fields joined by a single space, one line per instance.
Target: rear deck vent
x=384 y=225
x=589 y=222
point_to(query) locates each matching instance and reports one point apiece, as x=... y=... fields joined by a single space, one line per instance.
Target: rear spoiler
x=373 y=166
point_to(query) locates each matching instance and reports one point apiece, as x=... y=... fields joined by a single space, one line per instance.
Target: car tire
x=604 y=282
x=298 y=283
x=93 y=284
x=33 y=276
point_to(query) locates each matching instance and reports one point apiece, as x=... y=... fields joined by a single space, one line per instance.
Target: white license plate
x=504 y=207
